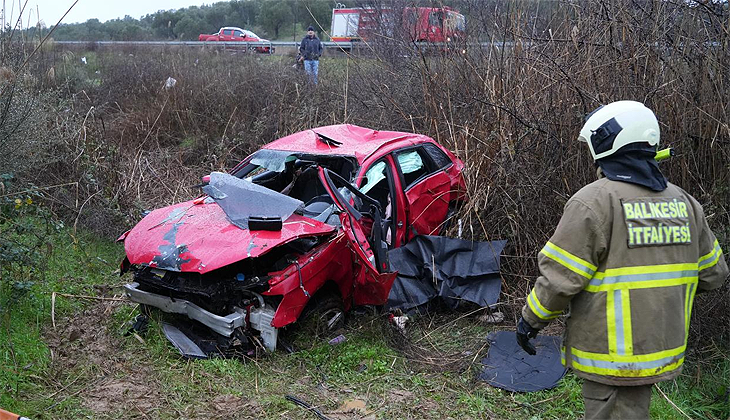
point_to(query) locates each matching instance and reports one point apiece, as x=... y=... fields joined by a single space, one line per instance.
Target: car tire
x=326 y=316
x=323 y=317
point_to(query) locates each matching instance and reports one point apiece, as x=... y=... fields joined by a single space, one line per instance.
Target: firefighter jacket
x=628 y=261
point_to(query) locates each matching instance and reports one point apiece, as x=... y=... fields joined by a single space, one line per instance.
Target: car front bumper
x=223 y=325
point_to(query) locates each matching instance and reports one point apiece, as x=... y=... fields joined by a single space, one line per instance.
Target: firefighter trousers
x=615 y=402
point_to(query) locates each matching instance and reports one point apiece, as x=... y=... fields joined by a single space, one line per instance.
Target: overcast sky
x=52 y=10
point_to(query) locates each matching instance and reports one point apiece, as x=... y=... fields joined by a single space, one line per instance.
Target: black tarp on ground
x=507 y=366
x=455 y=269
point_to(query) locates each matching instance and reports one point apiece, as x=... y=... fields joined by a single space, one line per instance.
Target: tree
x=274 y=15
x=188 y=28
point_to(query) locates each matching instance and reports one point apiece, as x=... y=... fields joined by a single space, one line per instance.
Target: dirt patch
x=113 y=379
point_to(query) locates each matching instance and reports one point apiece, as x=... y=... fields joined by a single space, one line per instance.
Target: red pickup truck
x=234 y=34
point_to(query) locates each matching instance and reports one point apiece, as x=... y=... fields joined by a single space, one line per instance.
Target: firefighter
x=628 y=255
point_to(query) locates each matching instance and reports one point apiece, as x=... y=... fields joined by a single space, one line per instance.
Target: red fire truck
x=427 y=24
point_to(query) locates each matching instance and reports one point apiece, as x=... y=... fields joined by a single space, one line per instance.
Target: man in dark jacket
x=310 y=50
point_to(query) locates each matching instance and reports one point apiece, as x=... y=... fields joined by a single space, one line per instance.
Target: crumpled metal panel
x=241 y=199
x=428 y=203
x=199 y=238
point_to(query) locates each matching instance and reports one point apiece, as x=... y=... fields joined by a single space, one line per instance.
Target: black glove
x=524 y=333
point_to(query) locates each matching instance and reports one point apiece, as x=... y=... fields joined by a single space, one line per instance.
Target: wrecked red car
x=306 y=220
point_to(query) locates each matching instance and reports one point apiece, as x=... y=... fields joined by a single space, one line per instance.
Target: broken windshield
x=273 y=169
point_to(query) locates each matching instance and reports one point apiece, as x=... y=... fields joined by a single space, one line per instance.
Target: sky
x=52 y=10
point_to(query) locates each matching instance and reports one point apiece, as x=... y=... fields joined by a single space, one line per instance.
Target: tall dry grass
x=511 y=110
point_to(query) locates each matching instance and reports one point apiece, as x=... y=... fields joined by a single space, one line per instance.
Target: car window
x=412 y=166
x=227 y=31
x=238 y=34
x=373 y=176
x=437 y=155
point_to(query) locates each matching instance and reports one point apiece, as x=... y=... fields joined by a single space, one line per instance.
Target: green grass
x=389 y=379
x=67 y=266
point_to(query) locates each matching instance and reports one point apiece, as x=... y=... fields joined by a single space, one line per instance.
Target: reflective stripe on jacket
x=628 y=261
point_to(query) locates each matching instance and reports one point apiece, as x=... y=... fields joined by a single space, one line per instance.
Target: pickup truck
x=234 y=34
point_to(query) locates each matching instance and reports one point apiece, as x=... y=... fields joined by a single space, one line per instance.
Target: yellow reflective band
x=626 y=315
x=642 y=284
x=626 y=373
x=643 y=277
x=538 y=309
x=649 y=357
x=646 y=269
x=689 y=300
x=611 y=322
x=711 y=258
x=568 y=260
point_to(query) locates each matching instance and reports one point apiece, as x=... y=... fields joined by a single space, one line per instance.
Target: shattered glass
x=241 y=199
x=272 y=160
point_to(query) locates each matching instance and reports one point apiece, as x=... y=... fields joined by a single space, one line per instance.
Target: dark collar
x=635 y=167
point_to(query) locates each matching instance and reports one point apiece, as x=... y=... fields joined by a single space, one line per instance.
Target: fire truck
x=420 y=24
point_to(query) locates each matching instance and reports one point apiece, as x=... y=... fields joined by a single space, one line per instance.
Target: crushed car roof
x=343 y=140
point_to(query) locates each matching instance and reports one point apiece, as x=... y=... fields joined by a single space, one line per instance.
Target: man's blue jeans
x=312 y=69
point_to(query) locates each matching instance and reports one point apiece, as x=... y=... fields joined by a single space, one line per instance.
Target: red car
x=305 y=222
x=234 y=34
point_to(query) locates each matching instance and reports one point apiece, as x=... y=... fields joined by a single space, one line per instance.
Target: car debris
x=306 y=221
x=170 y=83
x=337 y=340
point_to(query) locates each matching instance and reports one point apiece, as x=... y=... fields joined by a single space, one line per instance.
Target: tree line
x=272 y=19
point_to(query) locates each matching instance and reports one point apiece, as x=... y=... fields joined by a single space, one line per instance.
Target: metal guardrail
x=348 y=45
x=249 y=44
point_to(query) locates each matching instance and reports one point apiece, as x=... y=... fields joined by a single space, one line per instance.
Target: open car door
x=372 y=281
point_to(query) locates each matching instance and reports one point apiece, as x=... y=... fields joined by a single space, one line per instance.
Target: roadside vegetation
x=92 y=137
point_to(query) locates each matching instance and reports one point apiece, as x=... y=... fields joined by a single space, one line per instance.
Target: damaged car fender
x=299 y=282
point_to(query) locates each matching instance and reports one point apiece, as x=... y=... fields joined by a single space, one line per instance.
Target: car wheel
x=323 y=317
x=326 y=317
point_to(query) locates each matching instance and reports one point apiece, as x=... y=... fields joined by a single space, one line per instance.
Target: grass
x=70 y=265
x=127 y=377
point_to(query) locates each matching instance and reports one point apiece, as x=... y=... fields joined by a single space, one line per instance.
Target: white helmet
x=612 y=126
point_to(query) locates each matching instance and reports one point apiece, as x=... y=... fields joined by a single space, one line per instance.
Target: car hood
x=197 y=236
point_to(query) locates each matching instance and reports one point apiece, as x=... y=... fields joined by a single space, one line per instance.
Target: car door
x=427 y=189
x=372 y=281
x=378 y=181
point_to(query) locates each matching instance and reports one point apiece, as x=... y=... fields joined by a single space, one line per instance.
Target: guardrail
x=351 y=45
x=249 y=44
